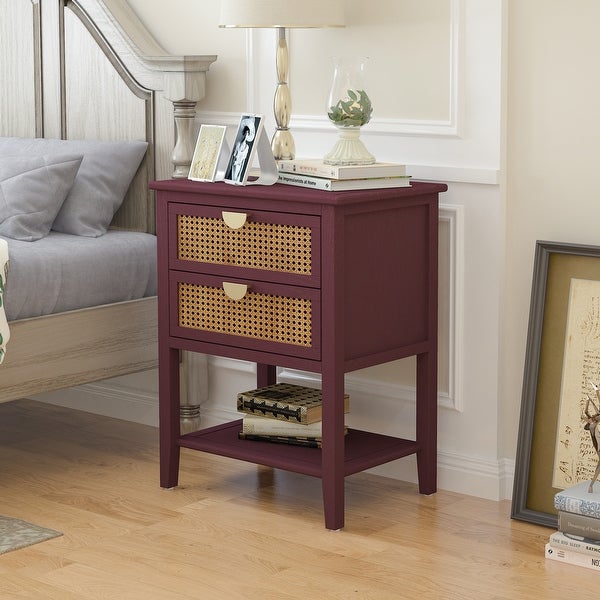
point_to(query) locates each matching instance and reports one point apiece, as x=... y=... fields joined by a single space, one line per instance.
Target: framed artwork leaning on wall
x=562 y=370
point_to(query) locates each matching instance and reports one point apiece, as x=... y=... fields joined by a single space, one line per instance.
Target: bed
x=100 y=109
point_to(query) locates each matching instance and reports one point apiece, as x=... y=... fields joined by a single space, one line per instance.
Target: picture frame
x=551 y=363
x=207 y=152
x=248 y=133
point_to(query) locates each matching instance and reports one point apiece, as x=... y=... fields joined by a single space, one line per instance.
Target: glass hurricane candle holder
x=349 y=108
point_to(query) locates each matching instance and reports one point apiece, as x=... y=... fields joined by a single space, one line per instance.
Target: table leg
x=168 y=377
x=265 y=375
x=332 y=458
x=427 y=422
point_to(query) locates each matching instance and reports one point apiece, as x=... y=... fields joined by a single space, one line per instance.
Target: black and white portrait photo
x=242 y=153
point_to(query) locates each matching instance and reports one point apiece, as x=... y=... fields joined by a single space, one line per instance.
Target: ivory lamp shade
x=281 y=13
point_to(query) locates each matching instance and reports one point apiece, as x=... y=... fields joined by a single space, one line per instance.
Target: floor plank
x=237 y=531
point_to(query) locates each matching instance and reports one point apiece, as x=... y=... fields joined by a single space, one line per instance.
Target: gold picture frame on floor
x=552 y=387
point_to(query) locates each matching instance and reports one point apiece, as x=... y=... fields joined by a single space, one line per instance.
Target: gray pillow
x=104 y=176
x=32 y=190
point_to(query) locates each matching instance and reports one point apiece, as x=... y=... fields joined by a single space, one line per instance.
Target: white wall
x=553 y=150
x=436 y=75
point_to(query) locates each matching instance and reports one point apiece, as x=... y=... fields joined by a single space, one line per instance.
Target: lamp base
x=283 y=145
x=349 y=149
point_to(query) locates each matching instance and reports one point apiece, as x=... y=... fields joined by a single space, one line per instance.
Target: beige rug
x=15 y=534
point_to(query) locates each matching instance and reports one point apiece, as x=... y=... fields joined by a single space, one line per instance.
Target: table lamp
x=282 y=15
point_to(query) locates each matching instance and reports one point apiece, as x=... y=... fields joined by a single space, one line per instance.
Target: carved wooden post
x=185 y=88
x=184 y=112
x=179 y=79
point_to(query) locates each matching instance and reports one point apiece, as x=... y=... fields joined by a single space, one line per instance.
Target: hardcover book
x=259 y=425
x=579 y=525
x=317 y=168
x=341 y=185
x=292 y=440
x=285 y=401
x=577 y=499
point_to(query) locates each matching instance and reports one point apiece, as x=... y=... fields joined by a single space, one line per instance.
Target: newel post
x=185 y=89
x=184 y=112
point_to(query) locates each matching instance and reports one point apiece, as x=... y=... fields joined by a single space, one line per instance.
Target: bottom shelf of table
x=363 y=449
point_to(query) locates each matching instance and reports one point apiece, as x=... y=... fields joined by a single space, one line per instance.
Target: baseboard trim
x=107 y=400
x=474 y=476
x=464 y=474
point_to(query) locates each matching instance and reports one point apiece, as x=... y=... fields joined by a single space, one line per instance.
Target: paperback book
x=340 y=185
x=317 y=168
x=286 y=402
x=575 y=543
x=573 y=558
x=577 y=499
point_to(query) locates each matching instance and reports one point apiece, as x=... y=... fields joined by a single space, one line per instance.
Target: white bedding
x=63 y=272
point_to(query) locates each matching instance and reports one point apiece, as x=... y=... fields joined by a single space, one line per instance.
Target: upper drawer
x=278 y=246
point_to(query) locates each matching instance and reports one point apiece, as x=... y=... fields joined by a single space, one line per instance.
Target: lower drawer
x=246 y=314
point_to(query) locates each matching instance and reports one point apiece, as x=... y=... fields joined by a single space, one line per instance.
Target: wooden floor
x=233 y=530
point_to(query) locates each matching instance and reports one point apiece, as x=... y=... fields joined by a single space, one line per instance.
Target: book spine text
x=308 y=181
x=579 y=525
x=573 y=558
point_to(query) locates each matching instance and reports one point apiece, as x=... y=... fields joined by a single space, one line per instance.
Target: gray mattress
x=64 y=272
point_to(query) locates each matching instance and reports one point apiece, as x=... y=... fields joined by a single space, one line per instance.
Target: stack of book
x=314 y=173
x=283 y=413
x=577 y=540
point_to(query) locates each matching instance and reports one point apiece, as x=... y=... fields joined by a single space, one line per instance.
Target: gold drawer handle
x=236 y=291
x=234 y=220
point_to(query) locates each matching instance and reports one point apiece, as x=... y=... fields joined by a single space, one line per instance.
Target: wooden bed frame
x=88 y=69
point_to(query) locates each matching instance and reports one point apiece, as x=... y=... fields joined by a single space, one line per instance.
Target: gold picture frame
x=207 y=153
x=556 y=267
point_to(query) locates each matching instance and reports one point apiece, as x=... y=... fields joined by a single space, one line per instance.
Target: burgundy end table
x=325 y=282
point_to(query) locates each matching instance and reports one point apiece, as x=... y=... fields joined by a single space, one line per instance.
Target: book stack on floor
x=577 y=540
x=283 y=413
x=314 y=173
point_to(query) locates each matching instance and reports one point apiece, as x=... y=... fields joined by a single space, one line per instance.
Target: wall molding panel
x=463 y=151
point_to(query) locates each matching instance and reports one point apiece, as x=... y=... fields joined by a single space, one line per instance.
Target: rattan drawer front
x=271 y=242
x=266 y=315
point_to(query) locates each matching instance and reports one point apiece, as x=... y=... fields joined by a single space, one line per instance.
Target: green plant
x=354 y=112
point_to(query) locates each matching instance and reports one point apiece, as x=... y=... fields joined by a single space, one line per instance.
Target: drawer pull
x=234 y=220
x=236 y=291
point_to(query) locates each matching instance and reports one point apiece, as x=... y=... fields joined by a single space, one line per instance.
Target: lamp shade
x=281 y=13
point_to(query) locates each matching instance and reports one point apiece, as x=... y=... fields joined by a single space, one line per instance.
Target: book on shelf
x=317 y=168
x=579 y=525
x=285 y=401
x=256 y=424
x=291 y=440
x=340 y=185
x=577 y=499
x=575 y=543
x=573 y=558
